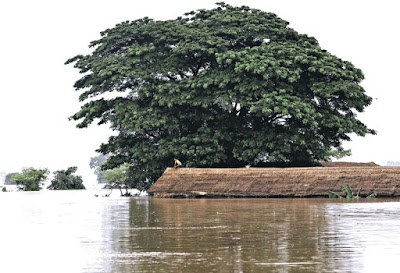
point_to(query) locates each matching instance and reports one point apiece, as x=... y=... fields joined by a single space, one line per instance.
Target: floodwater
x=73 y=231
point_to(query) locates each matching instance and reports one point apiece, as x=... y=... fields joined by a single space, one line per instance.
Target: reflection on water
x=76 y=232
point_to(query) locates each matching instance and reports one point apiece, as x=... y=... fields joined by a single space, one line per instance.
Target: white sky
x=36 y=88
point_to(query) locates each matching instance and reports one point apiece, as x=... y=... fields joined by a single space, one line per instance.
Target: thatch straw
x=349 y=164
x=276 y=182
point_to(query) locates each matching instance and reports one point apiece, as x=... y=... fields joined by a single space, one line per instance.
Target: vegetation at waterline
x=30 y=179
x=117 y=179
x=66 y=180
x=226 y=87
x=348 y=193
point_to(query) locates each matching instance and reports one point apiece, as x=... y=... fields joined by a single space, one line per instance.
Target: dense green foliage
x=66 y=180
x=30 y=179
x=226 y=87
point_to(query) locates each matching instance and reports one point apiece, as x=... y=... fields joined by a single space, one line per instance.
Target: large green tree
x=30 y=179
x=66 y=180
x=226 y=87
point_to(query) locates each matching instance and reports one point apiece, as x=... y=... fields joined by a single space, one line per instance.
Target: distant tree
x=118 y=178
x=226 y=87
x=96 y=163
x=8 y=179
x=66 y=180
x=30 y=179
x=4 y=189
x=393 y=163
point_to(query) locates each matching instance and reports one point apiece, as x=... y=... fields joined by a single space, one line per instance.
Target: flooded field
x=56 y=231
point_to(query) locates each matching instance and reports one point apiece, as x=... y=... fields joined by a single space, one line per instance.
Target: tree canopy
x=66 y=180
x=30 y=179
x=226 y=87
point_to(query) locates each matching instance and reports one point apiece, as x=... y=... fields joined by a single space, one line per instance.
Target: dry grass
x=276 y=182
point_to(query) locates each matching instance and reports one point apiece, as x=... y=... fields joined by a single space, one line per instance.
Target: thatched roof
x=276 y=182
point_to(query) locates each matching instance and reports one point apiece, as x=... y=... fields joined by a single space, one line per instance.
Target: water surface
x=73 y=231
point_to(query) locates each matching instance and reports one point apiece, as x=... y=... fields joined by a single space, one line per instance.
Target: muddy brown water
x=77 y=232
